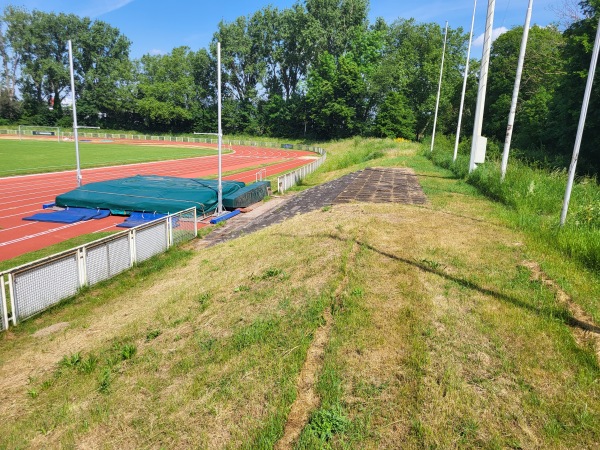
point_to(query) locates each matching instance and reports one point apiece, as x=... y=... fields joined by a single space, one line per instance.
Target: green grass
x=439 y=337
x=534 y=198
x=30 y=156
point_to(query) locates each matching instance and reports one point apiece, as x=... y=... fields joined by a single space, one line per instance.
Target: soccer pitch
x=30 y=156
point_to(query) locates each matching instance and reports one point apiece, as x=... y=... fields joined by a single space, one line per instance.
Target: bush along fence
x=34 y=287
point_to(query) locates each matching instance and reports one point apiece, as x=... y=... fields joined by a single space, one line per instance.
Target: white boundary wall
x=32 y=288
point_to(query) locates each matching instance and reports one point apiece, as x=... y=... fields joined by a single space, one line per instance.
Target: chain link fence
x=29 y=289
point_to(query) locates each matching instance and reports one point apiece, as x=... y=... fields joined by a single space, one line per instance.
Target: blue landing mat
x=70 y=215
x=139 y=218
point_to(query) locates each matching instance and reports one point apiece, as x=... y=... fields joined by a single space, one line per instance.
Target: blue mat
x=70 y=215
x=140 y=218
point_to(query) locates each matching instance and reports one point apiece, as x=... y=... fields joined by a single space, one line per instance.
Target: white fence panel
x=288 y=180
x=3 y=307
x=108 y=259
x=151 y=240
x=39 y=287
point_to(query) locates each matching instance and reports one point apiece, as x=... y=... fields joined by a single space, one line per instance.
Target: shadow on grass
x=563 y=315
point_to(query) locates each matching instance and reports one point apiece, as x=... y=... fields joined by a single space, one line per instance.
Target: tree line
x=317 y=70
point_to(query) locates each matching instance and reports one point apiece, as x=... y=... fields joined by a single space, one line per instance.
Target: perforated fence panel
x=288 y=180
x=151 y=240
x=39 y=287
x=183 y=227
x=108 y=259
x=3 y=305
x=34 y=287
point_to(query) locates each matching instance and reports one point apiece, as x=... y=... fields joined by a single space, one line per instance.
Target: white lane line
x=18 y=226
x=42 y=233
x=20 y=214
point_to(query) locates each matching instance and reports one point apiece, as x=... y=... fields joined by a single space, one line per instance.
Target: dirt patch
x=308 y=399
x=582 y=325
x=51 y=329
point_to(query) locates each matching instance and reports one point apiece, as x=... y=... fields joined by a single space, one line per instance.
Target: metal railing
x=32 y=288
x=288 y=180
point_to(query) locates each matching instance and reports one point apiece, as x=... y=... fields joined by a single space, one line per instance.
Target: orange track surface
x=23 y=196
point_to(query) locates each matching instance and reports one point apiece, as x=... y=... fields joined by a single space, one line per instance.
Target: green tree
x=335 y=97
x=336 y=21
x=106 y=88
x=565 y=108
x=166 y=94
x=395 y=118
x=542 y=69
x=38 y=43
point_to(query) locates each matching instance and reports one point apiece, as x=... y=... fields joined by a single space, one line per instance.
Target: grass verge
x=440 y=337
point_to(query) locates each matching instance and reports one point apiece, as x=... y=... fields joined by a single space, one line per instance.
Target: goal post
x=35 y=131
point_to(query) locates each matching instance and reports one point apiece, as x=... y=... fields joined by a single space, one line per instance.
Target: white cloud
x=156 y=51
x=478 y=41
x=101 y=7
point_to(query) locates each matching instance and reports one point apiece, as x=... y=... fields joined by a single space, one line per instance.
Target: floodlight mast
x=477 y=141
x=515 y=96
x=437 y=101
x=464 y=88
x=220 y=131
x=75 y=135
x=584 y=108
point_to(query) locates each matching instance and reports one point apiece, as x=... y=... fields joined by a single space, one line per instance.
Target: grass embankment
x=534 y=199
x=31 y=156
x=439 y=336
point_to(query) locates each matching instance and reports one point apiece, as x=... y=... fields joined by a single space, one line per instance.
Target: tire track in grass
x=582 y=324
x=308 y=399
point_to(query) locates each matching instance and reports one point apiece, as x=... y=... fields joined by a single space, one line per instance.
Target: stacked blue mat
x=70 y=215
x=139 y=218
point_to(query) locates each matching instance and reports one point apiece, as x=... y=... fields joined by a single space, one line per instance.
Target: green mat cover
x=247 y=196
x=152 y=193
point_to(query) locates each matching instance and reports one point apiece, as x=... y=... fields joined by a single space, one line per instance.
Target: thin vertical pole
x=437 y=102
x=464 y=88
x=220 y=131
x=584 y=108
x=485 y=63
x=515 y=95
x=75 y=134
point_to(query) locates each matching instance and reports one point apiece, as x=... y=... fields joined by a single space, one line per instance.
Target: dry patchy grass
x=439 y=338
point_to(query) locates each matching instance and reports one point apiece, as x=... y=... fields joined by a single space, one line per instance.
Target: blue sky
x=157 y=26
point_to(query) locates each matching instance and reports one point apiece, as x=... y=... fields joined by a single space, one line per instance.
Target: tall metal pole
x=515 y=95
x=584 y=108
x=464 y=88
x=75 y=134
x=437 y=102
x=220 y=131
x=485 y=62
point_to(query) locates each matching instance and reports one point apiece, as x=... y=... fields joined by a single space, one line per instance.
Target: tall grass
x=535 y=196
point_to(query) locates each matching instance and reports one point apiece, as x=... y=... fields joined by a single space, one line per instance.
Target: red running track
x=23 y=196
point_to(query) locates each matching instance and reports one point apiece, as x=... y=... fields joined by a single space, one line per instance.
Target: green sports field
x=29 y=156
